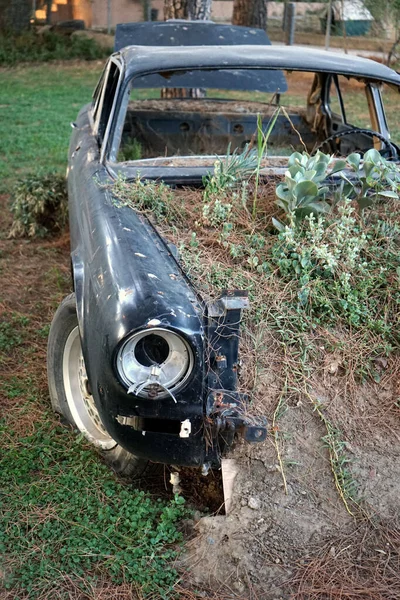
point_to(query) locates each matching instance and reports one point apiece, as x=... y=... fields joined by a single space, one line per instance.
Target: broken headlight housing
x=155 y=363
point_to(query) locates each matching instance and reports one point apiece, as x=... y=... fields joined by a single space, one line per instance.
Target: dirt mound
x=273 y=536
x=314 y=507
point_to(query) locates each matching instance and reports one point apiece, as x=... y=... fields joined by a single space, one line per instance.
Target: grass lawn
x=37 y=105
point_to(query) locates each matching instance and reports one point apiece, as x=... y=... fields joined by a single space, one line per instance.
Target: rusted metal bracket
x=228 y=410
x=223 y=321
x=228 y=414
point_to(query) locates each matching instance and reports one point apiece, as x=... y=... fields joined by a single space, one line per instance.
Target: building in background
x=350 y=16
x=104 y=14
x=99 y=14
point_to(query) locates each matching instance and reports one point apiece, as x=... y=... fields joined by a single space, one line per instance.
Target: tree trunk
x=194 y=10
x=15 y=15
x=250 y=13
x=48 y=11
x=199 y=10
x=175 y=9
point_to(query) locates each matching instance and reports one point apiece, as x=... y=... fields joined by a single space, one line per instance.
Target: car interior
x=181 y=123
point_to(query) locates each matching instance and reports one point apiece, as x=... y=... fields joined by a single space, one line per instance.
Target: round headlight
x=155 y=362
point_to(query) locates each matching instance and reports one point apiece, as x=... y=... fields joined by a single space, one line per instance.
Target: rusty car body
x=138 y=361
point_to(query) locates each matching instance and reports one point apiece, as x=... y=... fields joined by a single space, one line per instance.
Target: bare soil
x=268 y=543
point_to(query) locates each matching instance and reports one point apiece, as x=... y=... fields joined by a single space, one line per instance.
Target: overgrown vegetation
x=65 y=517
x=39 y=205
x=318 y=252
x=336 y=267
x=35 y=47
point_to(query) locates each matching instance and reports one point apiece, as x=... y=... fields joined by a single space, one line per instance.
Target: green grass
x=37 y=105
x=65 y=521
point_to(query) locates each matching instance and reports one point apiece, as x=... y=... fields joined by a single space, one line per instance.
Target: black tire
x=60 y=354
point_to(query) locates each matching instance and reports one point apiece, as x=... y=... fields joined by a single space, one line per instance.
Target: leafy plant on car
x=343 y=270
x=304 y=190
x=39 y=205
x=375 y=178
x=230 y=170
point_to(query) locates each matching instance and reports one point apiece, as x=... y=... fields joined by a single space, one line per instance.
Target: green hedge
x=34 y=47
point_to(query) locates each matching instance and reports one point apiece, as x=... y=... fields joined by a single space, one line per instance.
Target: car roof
x=177 y=32
x=140 y=60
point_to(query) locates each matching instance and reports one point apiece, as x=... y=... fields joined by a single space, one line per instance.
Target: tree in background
x=250 y=13
x=48 y=11
x=15 y=15
x=385 y=12
x=194 y=10
x=187 y=9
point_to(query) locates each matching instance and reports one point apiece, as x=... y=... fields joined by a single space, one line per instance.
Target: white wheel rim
x=80 y=403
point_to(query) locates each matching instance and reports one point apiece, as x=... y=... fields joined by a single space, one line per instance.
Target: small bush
x=34 y=47
x=343 y=269
x=147 y=196
x=39 y=206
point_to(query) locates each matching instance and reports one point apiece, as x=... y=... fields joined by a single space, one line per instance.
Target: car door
x=85 y=170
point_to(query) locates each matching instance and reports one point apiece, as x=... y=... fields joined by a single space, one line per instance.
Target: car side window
x=349 y=102
x=103 y=108
x=98 y=94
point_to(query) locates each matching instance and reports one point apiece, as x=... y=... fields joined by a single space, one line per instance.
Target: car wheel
x=70 y=392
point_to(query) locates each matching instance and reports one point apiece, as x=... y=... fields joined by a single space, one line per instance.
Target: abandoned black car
x=141 y=363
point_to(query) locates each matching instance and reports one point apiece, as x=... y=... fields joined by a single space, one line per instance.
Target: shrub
x=344 y=269
x=147 y=196
x=39 y=205
x=34 y=47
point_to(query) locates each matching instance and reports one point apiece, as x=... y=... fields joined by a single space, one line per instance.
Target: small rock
x=333 y=367
x=210 y=541
x=254 y=503
x=381 y=362
x=197 y=516
x=239 y=586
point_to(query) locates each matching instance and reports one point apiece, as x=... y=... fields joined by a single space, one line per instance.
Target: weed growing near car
x=39 y=205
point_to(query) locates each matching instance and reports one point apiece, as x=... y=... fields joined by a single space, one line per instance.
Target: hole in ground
x=201 y=493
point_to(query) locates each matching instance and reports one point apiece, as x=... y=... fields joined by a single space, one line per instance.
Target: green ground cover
x=37 y=105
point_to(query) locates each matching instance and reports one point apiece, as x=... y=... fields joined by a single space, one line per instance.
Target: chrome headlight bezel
x=176 y=366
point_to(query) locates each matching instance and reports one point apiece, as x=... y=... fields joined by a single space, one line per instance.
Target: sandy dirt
x=278 y=529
